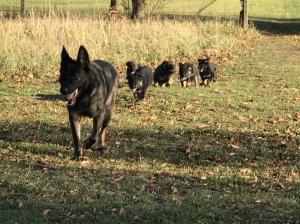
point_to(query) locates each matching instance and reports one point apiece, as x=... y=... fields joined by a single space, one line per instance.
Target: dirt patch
x=285 y=47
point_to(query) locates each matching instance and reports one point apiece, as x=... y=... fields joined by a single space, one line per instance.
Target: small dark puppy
x=188 y=73
x=90 y=88
x=207 y=71
x=131 y=67
x=141 y=80
x=163 y=74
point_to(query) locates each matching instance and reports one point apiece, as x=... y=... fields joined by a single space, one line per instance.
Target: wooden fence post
x=243 y=21
x=245 y=15
x=22 y=8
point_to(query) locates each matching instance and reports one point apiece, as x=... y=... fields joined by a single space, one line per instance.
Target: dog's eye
x=139 y=84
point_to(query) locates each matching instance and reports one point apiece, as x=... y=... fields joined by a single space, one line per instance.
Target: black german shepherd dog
x=163 y=74
x=207 y=71
x=90 y=89
x=131 y=67
x=188 y=73
x=141 y=81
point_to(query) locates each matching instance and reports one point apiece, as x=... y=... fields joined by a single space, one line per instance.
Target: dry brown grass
x=33 y=45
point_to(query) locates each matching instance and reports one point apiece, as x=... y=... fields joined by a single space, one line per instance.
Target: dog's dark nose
x=64 y=90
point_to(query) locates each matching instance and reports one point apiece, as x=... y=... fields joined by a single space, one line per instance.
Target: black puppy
x=90 y=89
x=131 y=67
x=207 y=71
x=188 y=73
x=163 y=74
x=141 y=80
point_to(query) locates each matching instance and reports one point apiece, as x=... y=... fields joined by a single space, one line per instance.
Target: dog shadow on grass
x=49 y=97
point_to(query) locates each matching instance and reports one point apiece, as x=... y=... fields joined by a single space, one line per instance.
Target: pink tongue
x=133 y=90
x=71 y=95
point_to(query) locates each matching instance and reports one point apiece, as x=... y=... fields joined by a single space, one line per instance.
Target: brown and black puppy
x=163 y=74
x=188 y=73
x=207 y=70
x=90 y=88
x=142 y=79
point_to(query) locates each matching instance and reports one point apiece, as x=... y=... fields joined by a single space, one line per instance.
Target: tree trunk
x=113 y=3
x=22 y=8
x=137 y=9
x=243 y=21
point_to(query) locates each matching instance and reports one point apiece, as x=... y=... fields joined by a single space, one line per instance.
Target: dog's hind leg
x=75 y=128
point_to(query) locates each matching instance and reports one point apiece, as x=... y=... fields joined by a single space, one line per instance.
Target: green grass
x=264 y=9
x=225 y=154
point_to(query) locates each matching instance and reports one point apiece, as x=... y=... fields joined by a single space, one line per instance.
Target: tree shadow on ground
x=192 y=147
x=272 y=26
x=277 y=26
x=152 y=197
x=145 y=197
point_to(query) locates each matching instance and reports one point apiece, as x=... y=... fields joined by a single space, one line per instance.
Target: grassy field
x=263 y=9
x=225 y=154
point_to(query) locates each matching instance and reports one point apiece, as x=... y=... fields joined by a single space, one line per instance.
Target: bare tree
x=113 y=3
x=137 y=9
x=205 y=6
x=22 y=8
x=113 y=12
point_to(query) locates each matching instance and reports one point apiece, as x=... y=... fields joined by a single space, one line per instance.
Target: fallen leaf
x=234 y=146
x=121 y=211
x=188 y=106
x=46 y=211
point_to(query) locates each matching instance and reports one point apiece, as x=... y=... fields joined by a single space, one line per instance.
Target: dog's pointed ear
x=83 y=56
x=65 y=58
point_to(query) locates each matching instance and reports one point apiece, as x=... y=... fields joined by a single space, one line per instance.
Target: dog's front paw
x=101 y=149
x=77 y=154
x=75 y=157
x=88 y=143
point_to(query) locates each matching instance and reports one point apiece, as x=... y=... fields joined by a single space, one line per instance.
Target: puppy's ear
x=180 y=64
x=83 y=56
x=65 y=58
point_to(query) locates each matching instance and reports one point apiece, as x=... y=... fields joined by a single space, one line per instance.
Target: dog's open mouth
x=71 y=98
x=184 y=79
